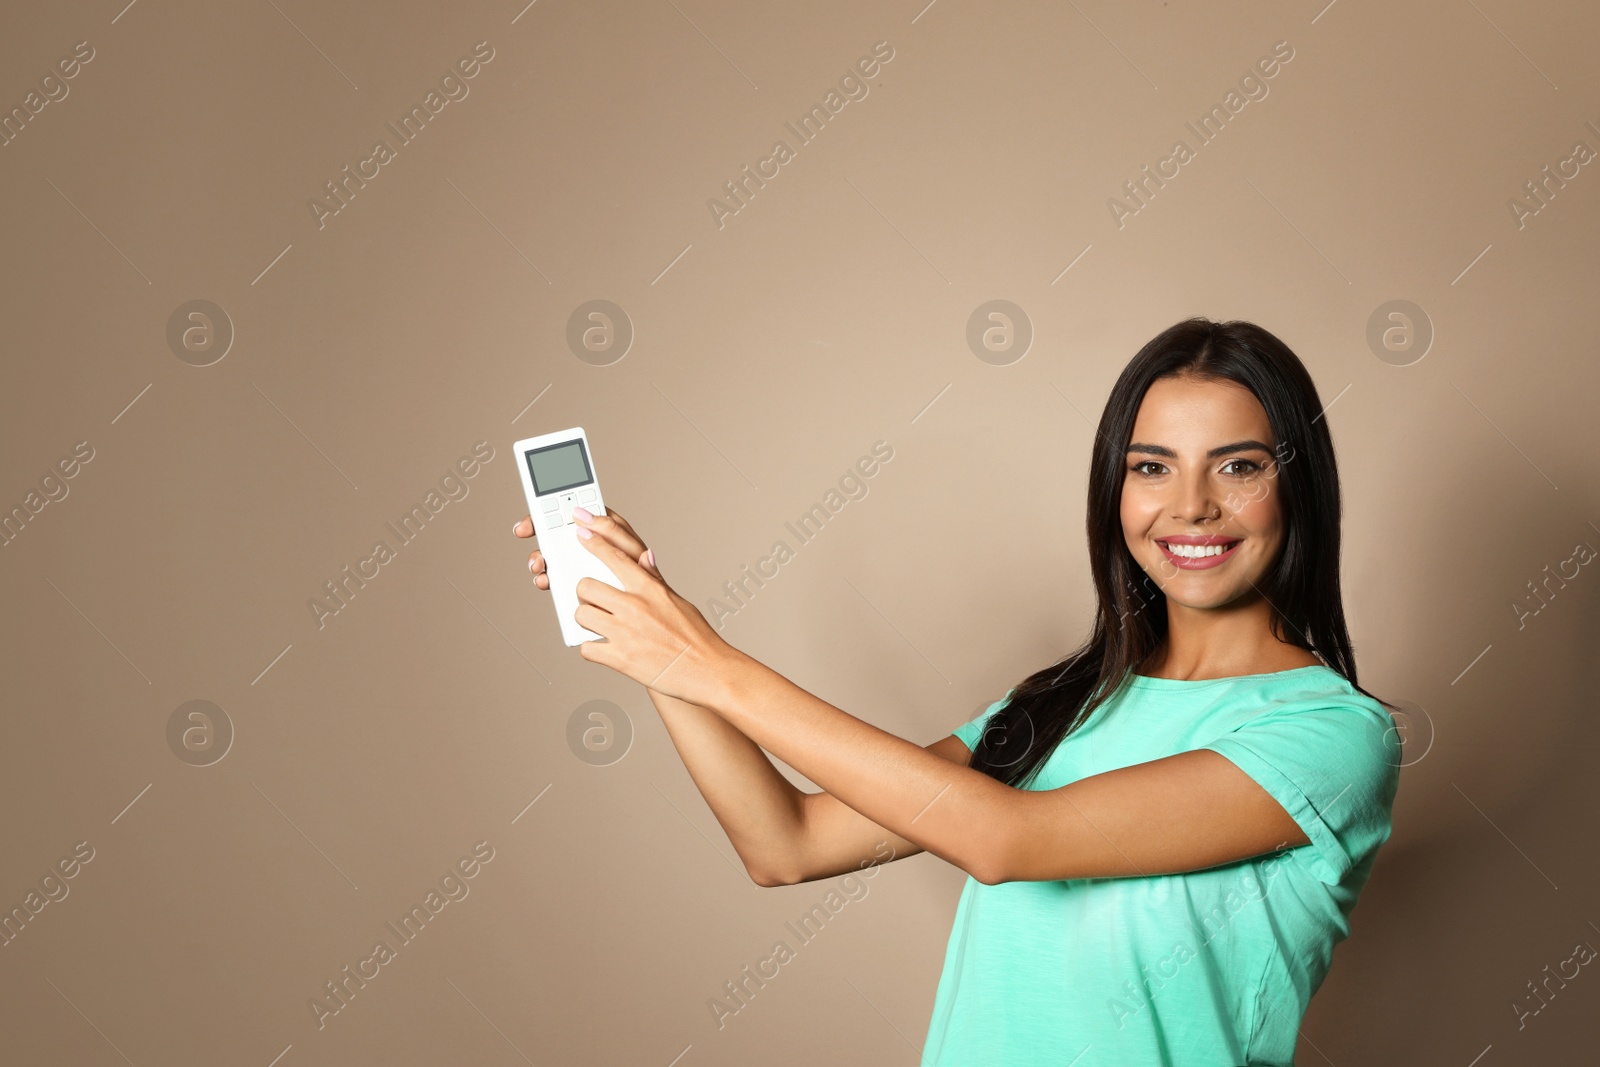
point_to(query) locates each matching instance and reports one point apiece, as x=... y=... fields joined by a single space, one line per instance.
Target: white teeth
x=1197 y=551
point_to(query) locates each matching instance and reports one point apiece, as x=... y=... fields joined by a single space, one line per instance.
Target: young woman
x=1166 y=831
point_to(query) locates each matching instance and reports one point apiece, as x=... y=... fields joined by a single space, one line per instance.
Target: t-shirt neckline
x=1145 y=681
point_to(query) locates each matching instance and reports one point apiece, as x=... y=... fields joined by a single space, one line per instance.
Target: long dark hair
x=1131 y=618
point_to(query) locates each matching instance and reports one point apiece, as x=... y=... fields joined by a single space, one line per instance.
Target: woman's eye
x=1138 y=468
x=1250 y=466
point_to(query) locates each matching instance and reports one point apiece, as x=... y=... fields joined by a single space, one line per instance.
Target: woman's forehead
x=1200 y=413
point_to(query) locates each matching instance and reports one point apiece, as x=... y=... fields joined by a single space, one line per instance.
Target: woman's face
x=1200 y=499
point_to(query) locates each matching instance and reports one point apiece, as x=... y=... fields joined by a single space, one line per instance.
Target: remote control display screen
x=557 y=467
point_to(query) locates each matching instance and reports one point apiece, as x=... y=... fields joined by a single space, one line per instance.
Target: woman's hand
x=630 y=543
x=652 y=634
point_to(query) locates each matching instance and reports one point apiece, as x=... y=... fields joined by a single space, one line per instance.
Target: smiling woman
x=1114 y=809
x=1237 y=703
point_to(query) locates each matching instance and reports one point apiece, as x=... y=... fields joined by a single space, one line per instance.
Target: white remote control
x=557 y=475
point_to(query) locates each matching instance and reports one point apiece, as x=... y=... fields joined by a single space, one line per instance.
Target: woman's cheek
x=1258 y=510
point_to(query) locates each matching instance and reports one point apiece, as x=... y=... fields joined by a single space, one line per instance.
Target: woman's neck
x=1223 y=643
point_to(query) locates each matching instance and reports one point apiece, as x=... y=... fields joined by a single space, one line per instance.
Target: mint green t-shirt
x=1209 y=968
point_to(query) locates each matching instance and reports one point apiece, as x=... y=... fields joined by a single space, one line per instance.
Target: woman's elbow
x=991 y=862
x=989 y=873
x=767 y=879
x=774 y=872
x=1009 y=849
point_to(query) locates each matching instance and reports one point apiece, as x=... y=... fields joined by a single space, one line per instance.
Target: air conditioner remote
x=558 y=475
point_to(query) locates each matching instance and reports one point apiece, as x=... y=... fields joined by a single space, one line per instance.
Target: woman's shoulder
x=1326 y=751
x=1318 y=712
x=1315 y=685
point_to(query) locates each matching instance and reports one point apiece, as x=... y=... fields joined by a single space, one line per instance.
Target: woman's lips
x=1200 y=563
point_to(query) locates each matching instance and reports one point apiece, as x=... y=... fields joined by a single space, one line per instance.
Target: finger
x=596 y=651
x=648 y=559
x=599 y=595
x=644 y=556
x=632 y=576
x=593 y=619
x=624 y=523
x=523 y=527
x=536 y=564
x=617 y=532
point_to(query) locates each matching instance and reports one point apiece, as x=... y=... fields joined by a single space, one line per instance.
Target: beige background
x=370 y=354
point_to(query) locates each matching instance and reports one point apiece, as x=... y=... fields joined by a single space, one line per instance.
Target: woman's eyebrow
x=1220 y=450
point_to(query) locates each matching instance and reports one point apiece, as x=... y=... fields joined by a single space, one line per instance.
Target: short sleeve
x=970 y=732
x=1335 y=768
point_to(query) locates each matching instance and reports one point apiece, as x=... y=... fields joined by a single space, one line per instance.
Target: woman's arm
x=1184 y=812
x=931 y=803
x=758 y=808
x=783 y=834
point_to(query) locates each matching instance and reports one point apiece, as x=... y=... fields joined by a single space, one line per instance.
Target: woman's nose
x=1194 y=503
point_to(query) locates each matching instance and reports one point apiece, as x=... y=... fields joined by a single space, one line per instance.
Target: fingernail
x=585 y=533
x=516 y=526
x=652 y=554
x=530 y=565
x=582 y=514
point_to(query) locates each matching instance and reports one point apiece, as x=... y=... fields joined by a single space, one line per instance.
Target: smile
x=1192 y=557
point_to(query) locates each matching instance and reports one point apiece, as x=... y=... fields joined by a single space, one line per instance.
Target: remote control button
x=551 y=504
x=586 y=496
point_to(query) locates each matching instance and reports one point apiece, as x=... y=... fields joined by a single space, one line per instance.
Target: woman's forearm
x=759 y=809
x=945 y=808
x=660 y=640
